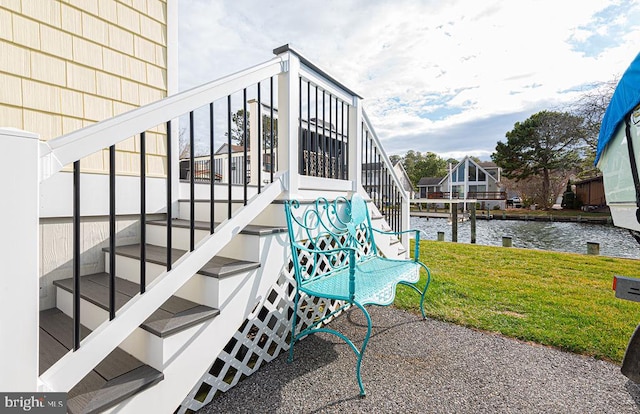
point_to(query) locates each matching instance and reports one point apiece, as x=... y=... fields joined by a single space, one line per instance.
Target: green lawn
x=559 y=299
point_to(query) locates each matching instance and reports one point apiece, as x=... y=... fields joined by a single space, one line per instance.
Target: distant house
x=590 y=192
x=221 y=165
x=429 y=187
x=467 y=180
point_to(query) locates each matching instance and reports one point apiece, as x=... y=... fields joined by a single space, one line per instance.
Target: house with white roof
x=467 y=180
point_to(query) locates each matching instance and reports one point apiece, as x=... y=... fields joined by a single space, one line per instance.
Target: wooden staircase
x=137 y=364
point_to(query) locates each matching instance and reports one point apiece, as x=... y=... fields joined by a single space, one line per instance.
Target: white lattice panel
x=261 y=338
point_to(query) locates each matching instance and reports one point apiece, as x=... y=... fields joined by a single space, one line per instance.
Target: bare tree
x=591 y=107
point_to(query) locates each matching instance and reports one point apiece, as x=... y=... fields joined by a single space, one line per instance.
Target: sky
x=449 y=77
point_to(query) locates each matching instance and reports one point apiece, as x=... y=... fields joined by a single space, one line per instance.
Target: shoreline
x=502 y=215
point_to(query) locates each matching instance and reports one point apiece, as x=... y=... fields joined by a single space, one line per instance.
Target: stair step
x=251 y=229
x=217 y=267
x=115 y=379
x=175 y=315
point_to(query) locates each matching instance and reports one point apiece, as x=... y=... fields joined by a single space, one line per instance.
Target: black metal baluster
x=324 y=137
x=76 y=255
x=272 y=140
x=259 y=152
x=112 y=232
x=398 y=210
x=371 y=165
x=212 y=170
x=246 y=143
x=300 y=134
x=331 y=172
x=192 y=187
x=366 y=161
x=363 y=177
x=143 y=213
x=347 y=147
x=385 y=211
x=308 y=146
x=316 y=146
x=169 y=196
x=343 y=148
x=229 y=154
x=390 y=201
x=378 y=176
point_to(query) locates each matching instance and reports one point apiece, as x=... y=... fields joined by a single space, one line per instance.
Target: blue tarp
x=624 y=99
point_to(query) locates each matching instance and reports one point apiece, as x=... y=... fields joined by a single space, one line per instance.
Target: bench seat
x=376 y=279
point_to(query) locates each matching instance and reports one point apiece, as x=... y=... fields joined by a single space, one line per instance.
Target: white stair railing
x=381 y=183
x=57 y=153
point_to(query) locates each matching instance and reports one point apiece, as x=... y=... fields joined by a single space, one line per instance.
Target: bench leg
x=424 y=291
x=360 y=354
x=294 y=321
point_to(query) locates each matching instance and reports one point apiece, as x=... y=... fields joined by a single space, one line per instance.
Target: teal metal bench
x=334 y=256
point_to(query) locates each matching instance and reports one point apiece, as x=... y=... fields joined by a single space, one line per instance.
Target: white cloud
x=423 y=67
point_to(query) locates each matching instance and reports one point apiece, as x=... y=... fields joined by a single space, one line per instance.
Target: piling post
x=506 y=241
x=472 y=214
x=454 y=224
x=593 y=248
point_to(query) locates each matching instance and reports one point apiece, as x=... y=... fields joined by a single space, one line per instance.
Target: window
x=472 y=172
x=460 y=173
x=481 y=175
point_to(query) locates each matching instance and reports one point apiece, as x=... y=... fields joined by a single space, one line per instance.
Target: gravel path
x=415 y=366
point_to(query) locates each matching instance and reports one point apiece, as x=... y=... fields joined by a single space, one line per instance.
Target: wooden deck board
x=60 y=326
x=50 y=351
x=93 y=292
x=117 y=377
x=173 y=316
x=164 y=327
x=117 y=363
x=252 y=229
x=217 y=267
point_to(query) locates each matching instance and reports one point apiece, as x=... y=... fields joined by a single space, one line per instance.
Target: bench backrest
x=327 y=225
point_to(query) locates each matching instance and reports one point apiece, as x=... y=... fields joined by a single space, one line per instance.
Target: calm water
x=562 y=237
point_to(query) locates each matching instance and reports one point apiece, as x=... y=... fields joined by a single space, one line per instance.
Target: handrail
x=380 y=182
x=383 y=154
x=314 y=67
x=72 y=367
x=61 y=151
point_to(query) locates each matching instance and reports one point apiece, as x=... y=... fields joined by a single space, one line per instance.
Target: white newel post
x=254 y=139
x=19 y=298
x=288 y=122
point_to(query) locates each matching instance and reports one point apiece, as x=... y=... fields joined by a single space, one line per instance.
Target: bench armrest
x=416 y=250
